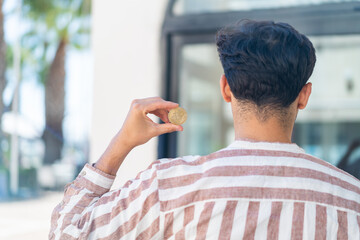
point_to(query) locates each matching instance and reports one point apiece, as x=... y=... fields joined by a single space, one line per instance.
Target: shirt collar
x=276 y=146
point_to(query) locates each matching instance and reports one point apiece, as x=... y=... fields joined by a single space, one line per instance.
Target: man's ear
x=225 y=89
x=304 y=96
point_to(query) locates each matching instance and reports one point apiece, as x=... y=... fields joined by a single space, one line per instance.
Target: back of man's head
x=265 y=63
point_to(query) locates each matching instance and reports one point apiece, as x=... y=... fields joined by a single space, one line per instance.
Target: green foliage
x=49 y=23
x=39 y=7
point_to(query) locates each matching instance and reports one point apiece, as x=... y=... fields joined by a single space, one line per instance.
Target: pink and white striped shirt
x=249 y=190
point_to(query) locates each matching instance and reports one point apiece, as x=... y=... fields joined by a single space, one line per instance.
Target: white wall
x=125 y=44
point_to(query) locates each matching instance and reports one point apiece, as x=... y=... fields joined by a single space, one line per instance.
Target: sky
x=78 y=90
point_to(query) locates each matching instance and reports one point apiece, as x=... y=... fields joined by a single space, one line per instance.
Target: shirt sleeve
x=89 y=210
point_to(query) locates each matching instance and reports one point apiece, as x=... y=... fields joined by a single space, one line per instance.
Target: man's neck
x=270 y=131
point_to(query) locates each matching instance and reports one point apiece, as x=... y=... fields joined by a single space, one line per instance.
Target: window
x=192 y=72
x=209 y=118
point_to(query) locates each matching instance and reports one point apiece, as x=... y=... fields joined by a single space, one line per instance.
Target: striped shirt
x=249 y=190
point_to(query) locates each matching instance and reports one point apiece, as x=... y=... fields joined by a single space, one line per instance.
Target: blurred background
x=69 y=70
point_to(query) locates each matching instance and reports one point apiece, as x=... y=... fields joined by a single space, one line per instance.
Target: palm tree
x=55 y=26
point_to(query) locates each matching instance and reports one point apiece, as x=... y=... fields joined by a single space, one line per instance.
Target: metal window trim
x=327 y=16
x=317 y=20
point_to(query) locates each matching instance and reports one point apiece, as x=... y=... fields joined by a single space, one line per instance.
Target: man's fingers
x=168 y=128
x=152 y=104
x=162 y=114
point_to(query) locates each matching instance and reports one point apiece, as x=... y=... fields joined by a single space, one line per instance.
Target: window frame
x=179 y=30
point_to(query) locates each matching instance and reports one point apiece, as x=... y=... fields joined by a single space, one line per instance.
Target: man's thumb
x=168 y=128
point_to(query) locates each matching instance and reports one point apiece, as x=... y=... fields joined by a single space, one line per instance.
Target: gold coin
x=177 y=116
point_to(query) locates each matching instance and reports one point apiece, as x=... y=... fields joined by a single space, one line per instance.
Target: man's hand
x=137 y=129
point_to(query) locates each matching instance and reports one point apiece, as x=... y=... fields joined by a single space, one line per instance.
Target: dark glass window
x=192 y=72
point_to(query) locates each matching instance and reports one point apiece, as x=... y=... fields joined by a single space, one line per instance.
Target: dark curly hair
x=265 y=63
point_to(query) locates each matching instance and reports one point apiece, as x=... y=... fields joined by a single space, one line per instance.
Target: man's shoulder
x=290 y=159
x=321 y=165
x=164 y=163
x=189 y=160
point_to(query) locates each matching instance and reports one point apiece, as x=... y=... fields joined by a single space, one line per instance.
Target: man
x=260 y=187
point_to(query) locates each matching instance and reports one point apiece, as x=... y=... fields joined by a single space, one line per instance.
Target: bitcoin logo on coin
x=177 y=116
